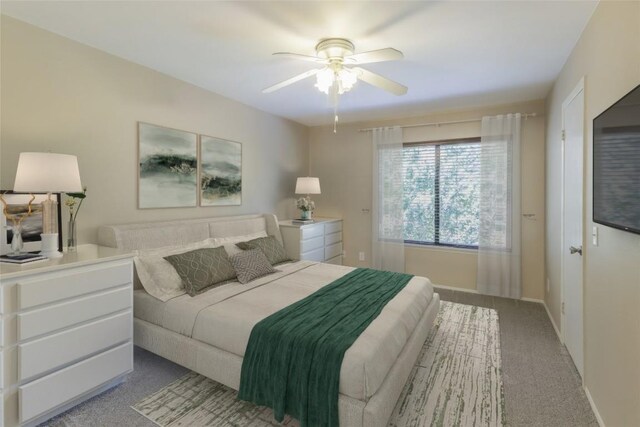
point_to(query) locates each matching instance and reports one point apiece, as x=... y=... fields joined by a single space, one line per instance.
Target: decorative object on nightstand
x=72 y=200
x=48 y=173
x=307 y=185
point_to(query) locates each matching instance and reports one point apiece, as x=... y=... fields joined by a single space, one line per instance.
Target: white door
x=572 y=207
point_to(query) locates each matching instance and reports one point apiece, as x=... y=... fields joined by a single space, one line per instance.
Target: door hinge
x=563 y=308
x=562 y=135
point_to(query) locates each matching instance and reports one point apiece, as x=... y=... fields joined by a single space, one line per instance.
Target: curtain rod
x=525 y=115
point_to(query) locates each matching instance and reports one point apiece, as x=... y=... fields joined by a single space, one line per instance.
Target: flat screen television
x=616 y=164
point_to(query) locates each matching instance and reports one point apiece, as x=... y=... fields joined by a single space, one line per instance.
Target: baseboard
x=539 y=301
x=475 y=291
x=553 y=323
x=453 y=288
x=593 y=407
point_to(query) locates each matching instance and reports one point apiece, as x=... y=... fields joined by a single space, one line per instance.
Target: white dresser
x=66 y=331
x=319 y=241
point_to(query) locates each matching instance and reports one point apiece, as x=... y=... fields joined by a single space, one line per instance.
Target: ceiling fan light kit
x=335 y=78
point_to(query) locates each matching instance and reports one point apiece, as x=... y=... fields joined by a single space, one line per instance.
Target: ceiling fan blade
x=380 y=55
x=301 y=57
x=291 y=80
x=378 y=81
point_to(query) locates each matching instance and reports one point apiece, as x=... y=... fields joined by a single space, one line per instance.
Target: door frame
x=575 y=92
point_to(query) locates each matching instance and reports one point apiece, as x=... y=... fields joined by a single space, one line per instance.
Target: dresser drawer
x=71 y=283
x=44 y=394
x=59 y=316
x=333 y=227
x=333 y=251
x=311 y=244
x=315 y=255
x=44 y=354
x=309 y=232
x=332 y=238
x=337 y=260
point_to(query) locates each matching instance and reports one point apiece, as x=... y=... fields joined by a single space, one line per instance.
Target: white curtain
x=388 y=188
x=499 y=267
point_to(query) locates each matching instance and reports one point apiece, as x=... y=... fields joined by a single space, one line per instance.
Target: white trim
x=454 y=288
x=553 y=323
x=593 y=407
x=442 y=248
x=475 y=291
x=579 y=88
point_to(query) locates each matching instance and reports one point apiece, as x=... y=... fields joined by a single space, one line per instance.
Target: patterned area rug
x=456 y=382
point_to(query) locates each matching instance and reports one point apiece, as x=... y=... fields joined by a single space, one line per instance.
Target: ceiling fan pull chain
x=336 y=99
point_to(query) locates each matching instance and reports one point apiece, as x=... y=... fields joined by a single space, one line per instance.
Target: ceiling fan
x=341 y=71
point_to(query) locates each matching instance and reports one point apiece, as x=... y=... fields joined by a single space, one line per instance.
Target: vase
x=305 y=214
x=71 y=236
x=16 y=239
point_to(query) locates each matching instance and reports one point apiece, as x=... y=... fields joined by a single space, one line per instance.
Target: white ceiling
x=457 y=54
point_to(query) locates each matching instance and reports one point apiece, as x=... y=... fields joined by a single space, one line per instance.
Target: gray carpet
x=541 y=385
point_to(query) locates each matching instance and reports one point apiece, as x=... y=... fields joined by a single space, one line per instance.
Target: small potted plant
x=306 y=207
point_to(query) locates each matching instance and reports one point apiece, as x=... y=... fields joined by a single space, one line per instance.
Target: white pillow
x=157 y=275
x=229 y=243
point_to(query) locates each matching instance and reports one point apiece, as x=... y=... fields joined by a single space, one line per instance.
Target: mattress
x=224 y=317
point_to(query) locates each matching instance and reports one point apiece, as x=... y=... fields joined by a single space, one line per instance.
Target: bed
x=208 y=333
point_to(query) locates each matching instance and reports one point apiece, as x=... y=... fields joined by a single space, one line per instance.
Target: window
x=441 y=193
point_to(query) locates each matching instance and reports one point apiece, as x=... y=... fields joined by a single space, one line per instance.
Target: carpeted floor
x=541 y=385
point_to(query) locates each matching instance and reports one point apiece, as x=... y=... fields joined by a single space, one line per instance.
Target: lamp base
x=50 y=245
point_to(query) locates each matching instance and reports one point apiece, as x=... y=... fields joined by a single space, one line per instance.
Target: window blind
x=441 y=193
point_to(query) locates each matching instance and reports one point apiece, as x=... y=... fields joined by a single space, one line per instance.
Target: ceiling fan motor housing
x=334 y=49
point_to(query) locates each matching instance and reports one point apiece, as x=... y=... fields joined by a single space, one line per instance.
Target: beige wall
x=343 y=163
x=62 y=96
x=608 y=57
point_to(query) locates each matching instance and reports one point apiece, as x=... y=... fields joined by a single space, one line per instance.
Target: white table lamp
x=48 y=173
x=307 y=185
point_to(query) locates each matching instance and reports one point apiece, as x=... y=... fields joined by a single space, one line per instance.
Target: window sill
x=441 y=248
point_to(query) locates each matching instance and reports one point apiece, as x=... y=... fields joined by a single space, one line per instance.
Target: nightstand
x=67 y=330
x=318 y=241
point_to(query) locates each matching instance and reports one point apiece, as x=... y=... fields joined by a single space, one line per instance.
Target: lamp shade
x=47 y=173
x=308 y=185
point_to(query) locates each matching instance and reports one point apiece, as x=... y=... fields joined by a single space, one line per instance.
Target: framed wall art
x=17 y=207
x=220 y=172
x=167 y=167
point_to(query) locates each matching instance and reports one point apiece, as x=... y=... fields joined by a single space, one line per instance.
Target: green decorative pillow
x=202 y=269
x=272 y=249
x=250 y=265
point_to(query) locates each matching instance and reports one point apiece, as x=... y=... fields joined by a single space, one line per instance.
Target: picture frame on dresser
x=32 y=225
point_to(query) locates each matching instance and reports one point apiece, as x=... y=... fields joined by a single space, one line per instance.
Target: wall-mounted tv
x=616 y=164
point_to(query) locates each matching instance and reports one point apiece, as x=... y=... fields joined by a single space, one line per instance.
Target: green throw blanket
x=293 y=358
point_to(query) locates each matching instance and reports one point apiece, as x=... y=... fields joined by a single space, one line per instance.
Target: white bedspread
x=225 y=316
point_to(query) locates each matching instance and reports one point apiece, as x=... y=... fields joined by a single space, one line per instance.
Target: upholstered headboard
x=149 y=235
